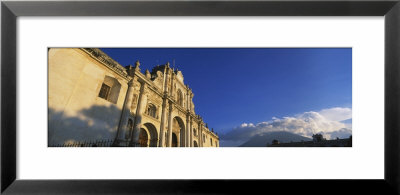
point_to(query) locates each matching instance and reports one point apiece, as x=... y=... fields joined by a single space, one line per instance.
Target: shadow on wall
x=94 y=123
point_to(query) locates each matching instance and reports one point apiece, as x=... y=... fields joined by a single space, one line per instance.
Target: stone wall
x=76 y=113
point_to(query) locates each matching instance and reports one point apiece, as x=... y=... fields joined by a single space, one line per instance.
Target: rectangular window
x=104 y=91
x=211 y=141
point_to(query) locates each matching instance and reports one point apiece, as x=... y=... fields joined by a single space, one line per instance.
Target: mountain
x=266 y=138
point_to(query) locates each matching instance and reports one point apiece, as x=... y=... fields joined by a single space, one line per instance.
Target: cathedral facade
x=93 y=98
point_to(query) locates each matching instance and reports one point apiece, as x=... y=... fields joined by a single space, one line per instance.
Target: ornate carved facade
x=91 y=96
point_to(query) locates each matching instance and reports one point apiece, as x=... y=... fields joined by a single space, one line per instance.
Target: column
x=200 y=134
x=165 y=92
x=122 y=127
x=172 y=83
x=190 y=101
x=187 y=97
x=187 y=140
x=138 y=118
x=191 y=132
x=201 y=129
x=163 y=110
x=169 y=140
x=165 y=85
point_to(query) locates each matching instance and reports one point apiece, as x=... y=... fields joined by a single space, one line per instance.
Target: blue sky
x=233 y=86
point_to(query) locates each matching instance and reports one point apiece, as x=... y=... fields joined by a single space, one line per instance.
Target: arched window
x=211 y=141
x=179 y=97
x=204 y=138
x=110 y=89
x=151 y=110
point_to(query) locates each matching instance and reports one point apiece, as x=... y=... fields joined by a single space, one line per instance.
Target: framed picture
x=58 y=174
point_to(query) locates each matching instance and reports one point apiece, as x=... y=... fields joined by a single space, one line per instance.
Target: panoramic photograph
x=200 y=97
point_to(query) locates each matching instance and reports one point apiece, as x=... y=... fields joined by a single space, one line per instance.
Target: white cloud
x=327 y=121
x=247 y=125
x=336 y=114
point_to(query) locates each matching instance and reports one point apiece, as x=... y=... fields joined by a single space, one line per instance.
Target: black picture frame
x=10 y=10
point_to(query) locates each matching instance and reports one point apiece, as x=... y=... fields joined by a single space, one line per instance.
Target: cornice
x=104 y=59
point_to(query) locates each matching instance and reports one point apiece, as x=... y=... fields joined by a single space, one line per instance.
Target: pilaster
x=191 y=132
x=169 y=140
x=162 y=125
x=187 y=140
x=138 y=118
x=122 y=127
